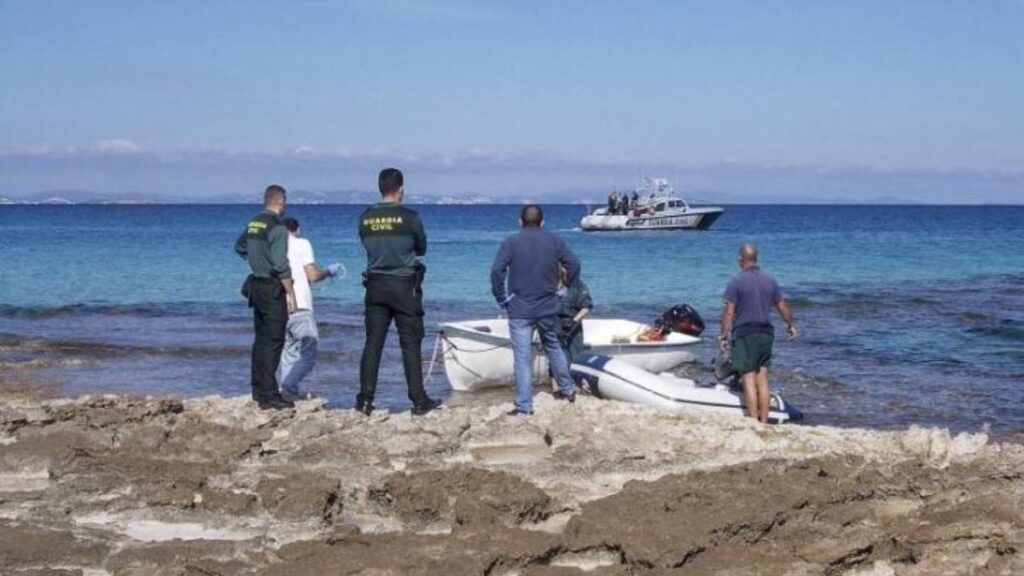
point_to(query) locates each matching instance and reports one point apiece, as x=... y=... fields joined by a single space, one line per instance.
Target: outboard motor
x=683 y=319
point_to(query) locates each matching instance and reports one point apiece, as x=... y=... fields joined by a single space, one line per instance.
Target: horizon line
x=516 y=204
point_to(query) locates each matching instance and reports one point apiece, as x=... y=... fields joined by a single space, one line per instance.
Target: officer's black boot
x=276 y=404
x=421 y=409
x=364 y=406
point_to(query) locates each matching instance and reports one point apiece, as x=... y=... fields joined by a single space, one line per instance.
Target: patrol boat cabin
x=652 y=206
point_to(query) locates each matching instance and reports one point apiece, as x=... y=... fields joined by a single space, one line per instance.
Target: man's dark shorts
x=752 y=352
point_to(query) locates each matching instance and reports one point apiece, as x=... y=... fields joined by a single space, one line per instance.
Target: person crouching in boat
x=576 y=305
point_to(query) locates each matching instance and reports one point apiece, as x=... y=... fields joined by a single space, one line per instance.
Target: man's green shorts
x=752 y=352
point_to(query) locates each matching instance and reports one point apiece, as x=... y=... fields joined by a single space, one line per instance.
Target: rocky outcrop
x=214 y=486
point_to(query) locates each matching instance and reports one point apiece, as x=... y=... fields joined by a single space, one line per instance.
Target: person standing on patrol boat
x=264 y=243
x=393 y=237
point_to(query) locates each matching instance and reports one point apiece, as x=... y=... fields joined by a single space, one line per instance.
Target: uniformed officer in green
x=393 y=237
x=264 y=243
x=576 y=304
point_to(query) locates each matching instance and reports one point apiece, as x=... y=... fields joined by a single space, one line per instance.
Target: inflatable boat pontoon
x=478 y=354
x=616 y=380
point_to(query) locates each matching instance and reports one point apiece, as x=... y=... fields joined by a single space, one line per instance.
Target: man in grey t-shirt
x=747 y=331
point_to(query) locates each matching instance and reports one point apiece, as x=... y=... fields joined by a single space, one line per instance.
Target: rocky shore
x=164 y=486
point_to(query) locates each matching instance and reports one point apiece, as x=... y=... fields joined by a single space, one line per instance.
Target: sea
x=908 y=314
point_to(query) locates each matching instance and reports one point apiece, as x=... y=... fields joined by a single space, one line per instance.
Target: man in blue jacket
x=529 y=261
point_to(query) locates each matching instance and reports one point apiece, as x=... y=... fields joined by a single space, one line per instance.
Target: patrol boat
x=657 y=208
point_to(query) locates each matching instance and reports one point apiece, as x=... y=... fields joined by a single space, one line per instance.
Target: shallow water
x=907 y=314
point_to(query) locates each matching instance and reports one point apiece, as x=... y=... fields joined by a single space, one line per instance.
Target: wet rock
x=193 y=558
x=830 y=515
x=56 y=451
x=50 y=572
x=195 y=438
x=106 y=412
x=35 y=547
x=500 y=551
x=229 y=502
x=302 y=497
x=464 y=497
x=11 y=419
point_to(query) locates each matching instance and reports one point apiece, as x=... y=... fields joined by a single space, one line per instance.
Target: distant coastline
x=572 y=197
x=355 y=197
x=61 y=198
x=456 y=201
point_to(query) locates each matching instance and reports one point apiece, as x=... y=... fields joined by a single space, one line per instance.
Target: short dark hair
x=389 y=181
x=273 y=192
x=291 y=224
x=532 y=215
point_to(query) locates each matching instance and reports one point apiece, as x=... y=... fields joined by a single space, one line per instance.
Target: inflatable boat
x=616 y=380
x=478 y=353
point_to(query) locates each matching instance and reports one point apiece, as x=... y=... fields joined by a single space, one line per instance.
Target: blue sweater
x=529 y=260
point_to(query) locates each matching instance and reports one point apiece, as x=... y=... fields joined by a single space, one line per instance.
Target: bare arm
x=289 y=293
x=315 y=273
x=787 y=317
x=728 y=315
x=581 y=315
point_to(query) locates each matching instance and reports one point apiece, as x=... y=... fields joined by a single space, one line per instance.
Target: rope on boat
x=442 y=337
x=438 y=349
x=433 y=357
x=454 y=347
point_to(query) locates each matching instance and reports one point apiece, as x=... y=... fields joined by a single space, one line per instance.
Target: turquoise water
x=909 y=314
x=132 y=254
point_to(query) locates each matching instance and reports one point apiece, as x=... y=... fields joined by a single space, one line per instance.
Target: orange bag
x=652 y=334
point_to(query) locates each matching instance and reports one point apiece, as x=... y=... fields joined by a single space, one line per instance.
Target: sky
x=742 y=101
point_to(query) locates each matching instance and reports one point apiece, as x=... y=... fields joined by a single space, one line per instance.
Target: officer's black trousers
x=398 y=298
x=270 y=320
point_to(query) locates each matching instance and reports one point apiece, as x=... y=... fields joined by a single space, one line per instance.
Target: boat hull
x=612 y=379
x=695 y=220
x=478 y=354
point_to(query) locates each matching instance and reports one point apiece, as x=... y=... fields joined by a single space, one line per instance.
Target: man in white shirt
x=301 y=338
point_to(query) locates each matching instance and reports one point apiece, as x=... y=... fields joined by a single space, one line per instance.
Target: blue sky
x=759 y=99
